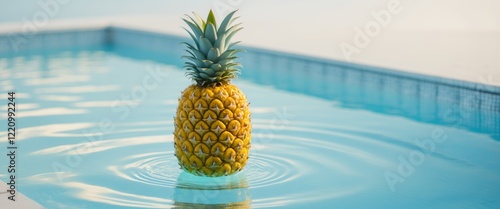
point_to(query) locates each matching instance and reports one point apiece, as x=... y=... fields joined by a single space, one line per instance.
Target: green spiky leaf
x=211 y=18
x=210 y=33
x=202 y=22
x=211 y=59
x=197 y=31
x=205 y=45
x=225 y=23
x=213 y=54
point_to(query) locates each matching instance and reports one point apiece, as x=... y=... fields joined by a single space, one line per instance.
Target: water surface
x=95 y=132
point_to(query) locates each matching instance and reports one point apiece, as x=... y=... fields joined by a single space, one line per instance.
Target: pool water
x=95 y=126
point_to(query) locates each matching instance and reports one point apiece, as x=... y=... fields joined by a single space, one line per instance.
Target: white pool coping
x=22 y=202
x=461 y=55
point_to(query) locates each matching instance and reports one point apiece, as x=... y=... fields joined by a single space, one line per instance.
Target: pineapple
x=212 y=123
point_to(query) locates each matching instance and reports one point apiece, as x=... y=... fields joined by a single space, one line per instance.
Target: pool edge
x=21 y=201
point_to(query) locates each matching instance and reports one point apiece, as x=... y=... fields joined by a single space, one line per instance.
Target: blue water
x=95 y=132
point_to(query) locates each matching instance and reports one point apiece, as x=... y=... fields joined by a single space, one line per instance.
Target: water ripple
x=161 y=169
x=266 y=170
x=157 y=169
x=279 y=163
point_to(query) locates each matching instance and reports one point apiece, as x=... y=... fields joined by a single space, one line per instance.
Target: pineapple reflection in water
x=212 y=123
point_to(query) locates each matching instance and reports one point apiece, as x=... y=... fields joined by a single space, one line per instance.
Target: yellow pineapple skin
x=212 y=130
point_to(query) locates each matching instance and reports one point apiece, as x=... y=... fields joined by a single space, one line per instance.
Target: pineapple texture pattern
x=212 y=130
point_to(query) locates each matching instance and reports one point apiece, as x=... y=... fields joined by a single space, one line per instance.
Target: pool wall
x=427 y=98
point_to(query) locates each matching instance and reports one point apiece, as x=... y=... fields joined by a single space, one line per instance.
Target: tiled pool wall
x=20 y=42
x=425 y=98
x=463 y=104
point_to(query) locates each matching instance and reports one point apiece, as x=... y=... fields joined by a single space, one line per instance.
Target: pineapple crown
x=211 y=60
